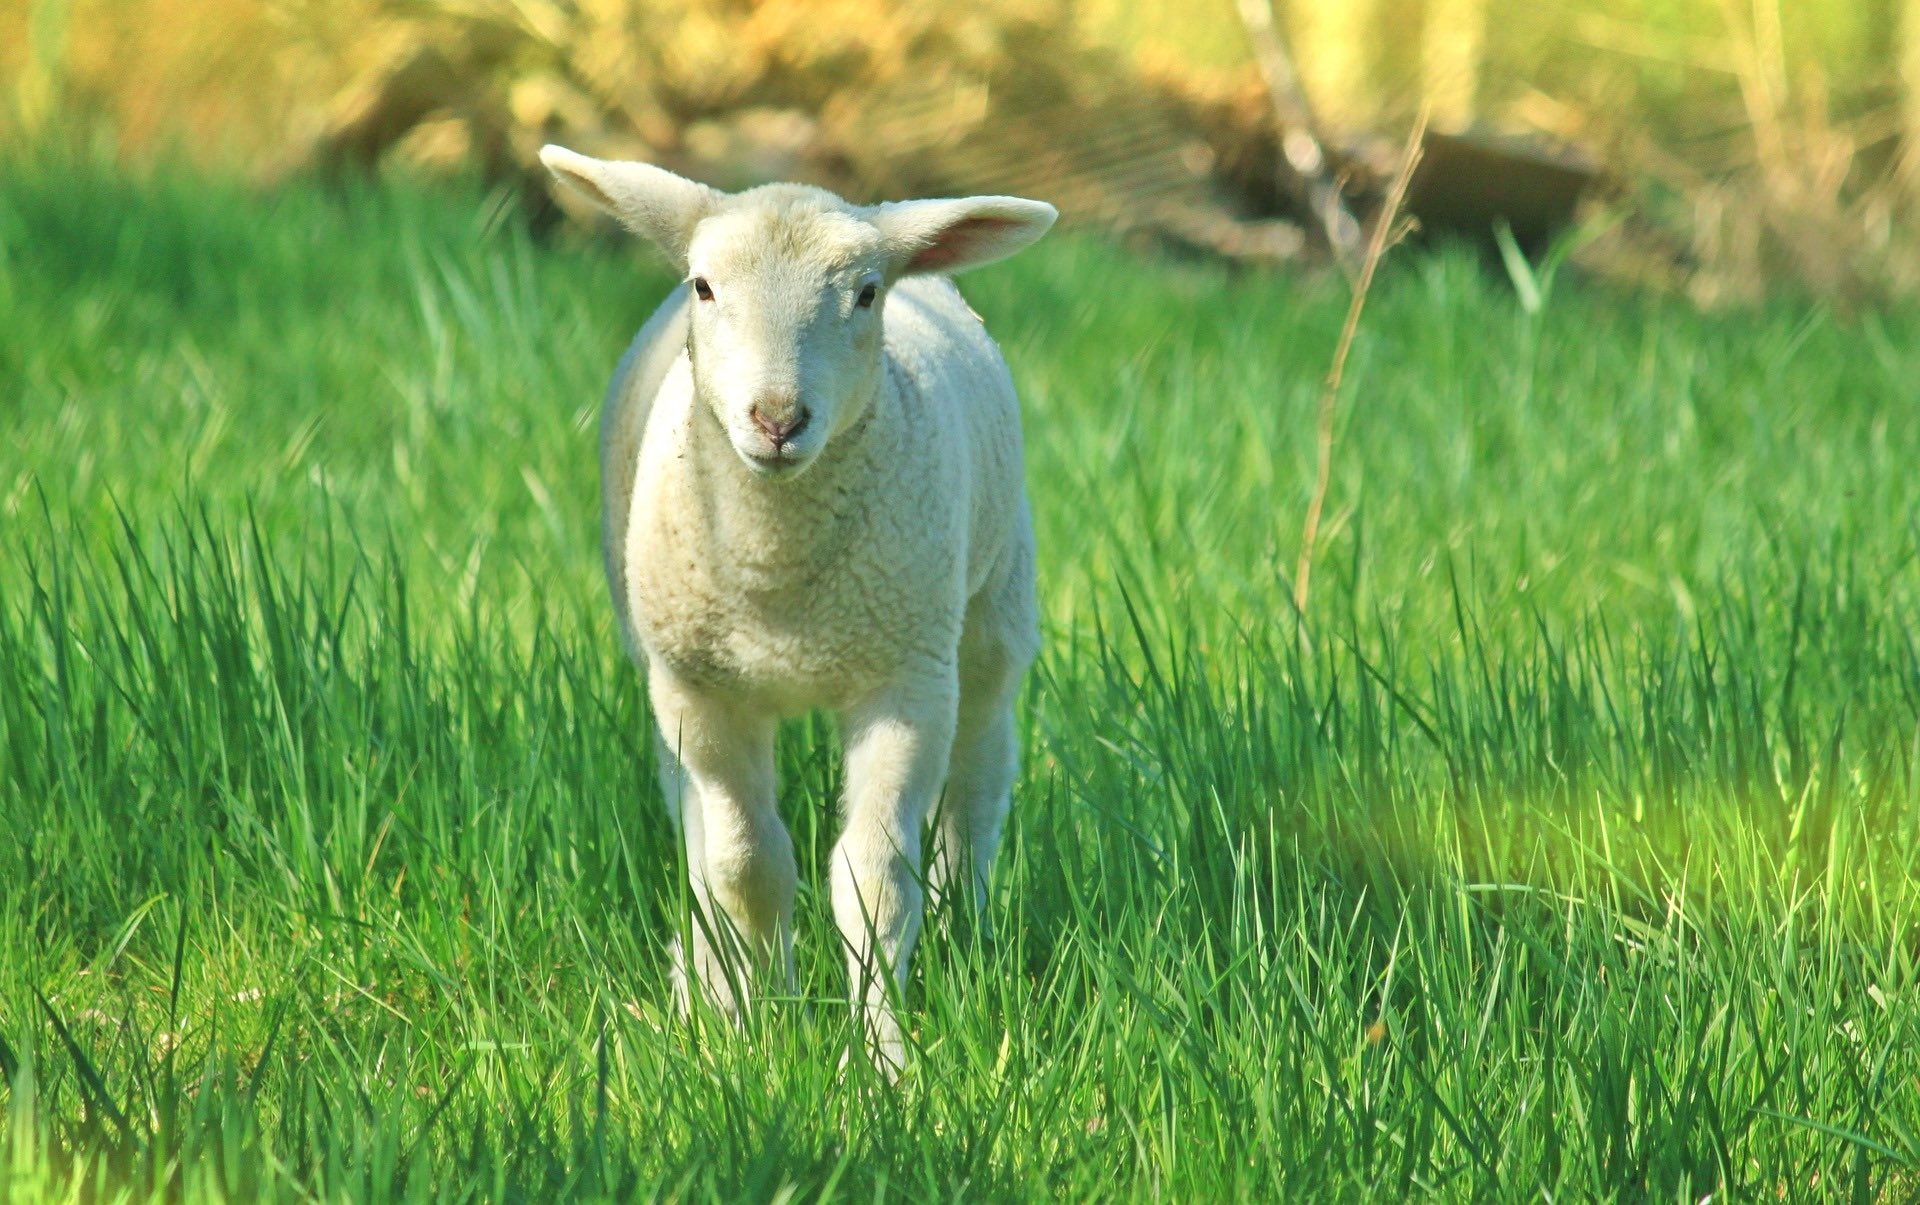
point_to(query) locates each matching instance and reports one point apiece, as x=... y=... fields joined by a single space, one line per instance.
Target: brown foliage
x=891 y=97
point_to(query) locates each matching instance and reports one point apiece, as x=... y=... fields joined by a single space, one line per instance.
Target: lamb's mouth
x=785 y=463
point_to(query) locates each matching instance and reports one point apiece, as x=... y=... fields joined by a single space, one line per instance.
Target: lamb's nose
x=780 y=423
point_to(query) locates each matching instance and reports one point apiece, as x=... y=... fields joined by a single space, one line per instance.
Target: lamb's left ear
x=950 y=236
x=650 y=201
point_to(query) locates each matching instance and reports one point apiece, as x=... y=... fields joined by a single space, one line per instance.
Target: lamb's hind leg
x=980 y=775
x=996 y=646
x=716 y=767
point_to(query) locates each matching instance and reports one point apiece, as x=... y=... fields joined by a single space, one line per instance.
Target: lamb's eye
x=867 y=295
x=702 y=289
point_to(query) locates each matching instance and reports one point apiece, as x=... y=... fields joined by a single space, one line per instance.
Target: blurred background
x=1720 y=148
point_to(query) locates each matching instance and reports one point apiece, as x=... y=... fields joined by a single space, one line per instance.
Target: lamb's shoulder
x=645 y=372
x=943 y=355
x=637 y=381
x=936 y=338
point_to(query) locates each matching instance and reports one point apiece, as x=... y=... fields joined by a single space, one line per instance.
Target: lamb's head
x=789 y=285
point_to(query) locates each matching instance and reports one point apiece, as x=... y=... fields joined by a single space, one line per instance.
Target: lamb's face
x=787 y=285
x=784 y=323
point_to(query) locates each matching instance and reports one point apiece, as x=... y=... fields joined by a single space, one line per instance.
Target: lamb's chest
x=809 y=633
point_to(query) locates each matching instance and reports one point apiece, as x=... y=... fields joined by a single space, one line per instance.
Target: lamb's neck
x=766 y=523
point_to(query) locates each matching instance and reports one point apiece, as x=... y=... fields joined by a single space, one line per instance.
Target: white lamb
x=813 y=497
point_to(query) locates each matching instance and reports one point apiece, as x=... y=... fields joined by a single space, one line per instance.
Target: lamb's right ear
x=650 y=201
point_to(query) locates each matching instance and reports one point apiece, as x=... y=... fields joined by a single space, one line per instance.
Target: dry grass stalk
x=1383 y=227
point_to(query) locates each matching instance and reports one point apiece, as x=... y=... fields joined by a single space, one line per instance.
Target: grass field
x=1576 y=859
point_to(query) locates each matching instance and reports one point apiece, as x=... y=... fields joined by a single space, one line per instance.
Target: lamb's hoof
x=677 y=977
x=887 y=1065
x=881 y=1045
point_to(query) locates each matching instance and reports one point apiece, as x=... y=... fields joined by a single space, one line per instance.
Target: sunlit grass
x=1578 y=854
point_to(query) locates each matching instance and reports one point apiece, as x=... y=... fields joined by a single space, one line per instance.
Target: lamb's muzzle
x=780 y=419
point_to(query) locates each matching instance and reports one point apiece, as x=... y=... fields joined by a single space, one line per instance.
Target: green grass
x=1577 y=858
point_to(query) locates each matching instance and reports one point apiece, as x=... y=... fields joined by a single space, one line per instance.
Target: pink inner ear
x=960 y=242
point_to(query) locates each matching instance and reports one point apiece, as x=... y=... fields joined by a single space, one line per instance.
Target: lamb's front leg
x=717 y=769
x=897 y=749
